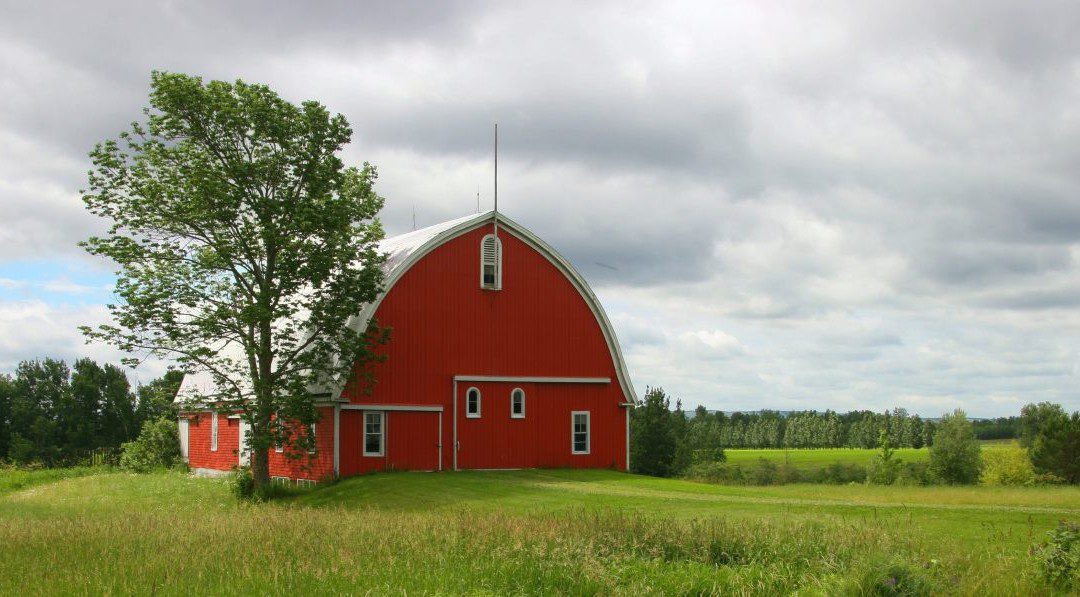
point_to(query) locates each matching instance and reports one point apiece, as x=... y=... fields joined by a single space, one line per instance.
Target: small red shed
x=500 y=357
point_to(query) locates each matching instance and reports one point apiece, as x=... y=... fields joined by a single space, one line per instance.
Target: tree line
x=55 y=414
x=667 y=441
x=806 y=429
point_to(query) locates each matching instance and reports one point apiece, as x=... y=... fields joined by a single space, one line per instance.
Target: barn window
x=374 y=442
x=579 y=431
x=472 y=403
x=311 y=434
x=517 y=403
x=491 y=263
x=213 y=432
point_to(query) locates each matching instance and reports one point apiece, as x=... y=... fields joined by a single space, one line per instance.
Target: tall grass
x=544 y=532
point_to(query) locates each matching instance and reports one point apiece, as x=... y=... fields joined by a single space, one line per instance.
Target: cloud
x=879 y=203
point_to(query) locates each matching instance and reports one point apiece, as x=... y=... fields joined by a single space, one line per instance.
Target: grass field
x=519 y=532
x=812 y=459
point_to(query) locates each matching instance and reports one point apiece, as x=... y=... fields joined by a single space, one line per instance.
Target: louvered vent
x=491 y=263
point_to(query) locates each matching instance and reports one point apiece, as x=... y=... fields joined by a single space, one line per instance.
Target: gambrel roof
x=403 y=250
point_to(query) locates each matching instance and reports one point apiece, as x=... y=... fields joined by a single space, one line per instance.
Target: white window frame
x=514 y=415
x=213 y=431
x=279 y=447
x=497 y=264
x=588 y=432
x=382 y=433
x=479 y=403
x=314 y=440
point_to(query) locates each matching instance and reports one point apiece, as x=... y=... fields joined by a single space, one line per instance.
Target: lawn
x=514 y=532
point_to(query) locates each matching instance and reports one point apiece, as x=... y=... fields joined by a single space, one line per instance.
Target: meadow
x=519 y=532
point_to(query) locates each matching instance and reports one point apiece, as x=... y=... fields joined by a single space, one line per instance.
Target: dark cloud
x=852 y=204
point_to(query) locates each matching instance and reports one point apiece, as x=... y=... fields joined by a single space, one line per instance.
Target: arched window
x=517 y=403
x=472 y=403
x=491 y=263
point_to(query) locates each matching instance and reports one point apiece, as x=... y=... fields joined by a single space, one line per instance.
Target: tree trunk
x=260 y=467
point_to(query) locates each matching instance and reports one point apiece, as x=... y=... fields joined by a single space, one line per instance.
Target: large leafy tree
x=244 y=246
x=955 y=456
x=1056 y=448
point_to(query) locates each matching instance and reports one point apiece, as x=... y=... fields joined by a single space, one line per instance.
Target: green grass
x=13 y=479
x=819 y=458
x=519 y=532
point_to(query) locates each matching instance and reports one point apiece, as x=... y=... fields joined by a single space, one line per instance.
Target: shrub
x=1007 y=466
x=243 y=484
x=764 y=472
x=1056 y=449
x=716 y=472
x=1058 y=557
x=914 y=473
x=157 y=446
x=841 y=473
x=955 y=455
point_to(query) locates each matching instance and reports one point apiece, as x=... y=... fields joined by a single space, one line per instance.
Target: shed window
x=311 y=434
x=374 y=438
x=579 y=431
x=472 y=403
x=213 y=431
x=517 y=403
x=491 y=263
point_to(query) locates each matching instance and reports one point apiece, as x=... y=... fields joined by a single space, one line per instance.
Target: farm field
x=817 y=458
x=521 y=531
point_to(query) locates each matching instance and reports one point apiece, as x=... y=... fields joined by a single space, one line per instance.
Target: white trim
x=440 y=440
x=183 y=433
x=479 y=403
x=362 y=319
x=628 y=439
x=507 y=379
x=213 y=431
x=514 y=415
x=382 y=434
x=243 y=449
x=497 y=264
x=314 y=439
x=588 y=431
x=337 y=440
x=453 y=420
x=405 y=407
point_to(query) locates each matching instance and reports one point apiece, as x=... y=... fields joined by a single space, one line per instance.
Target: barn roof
x=403 y=250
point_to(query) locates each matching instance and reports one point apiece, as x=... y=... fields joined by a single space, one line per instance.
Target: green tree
x=40 y=388
x=7 y=390
x=158 y=446
x=652 y=443
x=155 y=399
x=955 y=455
x=244 y=246
x=1056 y=448
x=1032 y=418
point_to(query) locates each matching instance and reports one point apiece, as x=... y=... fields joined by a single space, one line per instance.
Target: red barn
x=500 y=357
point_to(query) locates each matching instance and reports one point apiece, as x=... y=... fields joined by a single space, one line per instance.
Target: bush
x=912 y=473
x=716 y=472
x=955 y=455
x=157 y=446
x=1007 y=466
x=1056 y=449
x=841 y=473
x=243 y=484
x=1058 y=558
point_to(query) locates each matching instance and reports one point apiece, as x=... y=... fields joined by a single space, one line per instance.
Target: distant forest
x=828 y=429
x=54 y=414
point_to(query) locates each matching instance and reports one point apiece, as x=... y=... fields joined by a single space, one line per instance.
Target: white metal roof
x=403 y=250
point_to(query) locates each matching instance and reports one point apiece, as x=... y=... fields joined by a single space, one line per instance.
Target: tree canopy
x=245 y=248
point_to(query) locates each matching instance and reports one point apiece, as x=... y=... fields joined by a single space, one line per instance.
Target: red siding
x=199 y=453
x=412 y=443
x=317 y=467
x=538 y=325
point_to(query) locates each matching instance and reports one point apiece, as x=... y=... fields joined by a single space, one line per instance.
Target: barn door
x=412 y=440
x=244 y=451
x=182 y=431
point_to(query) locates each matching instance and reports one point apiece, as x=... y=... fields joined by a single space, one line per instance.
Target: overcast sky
x=781 y=206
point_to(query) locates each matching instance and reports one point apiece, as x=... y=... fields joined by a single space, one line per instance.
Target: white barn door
x=245 y=453
x=182 y=431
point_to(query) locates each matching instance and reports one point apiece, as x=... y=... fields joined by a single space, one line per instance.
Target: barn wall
x=317 y=467
x=412 y=443
x=444 y=324
x=199 y=453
